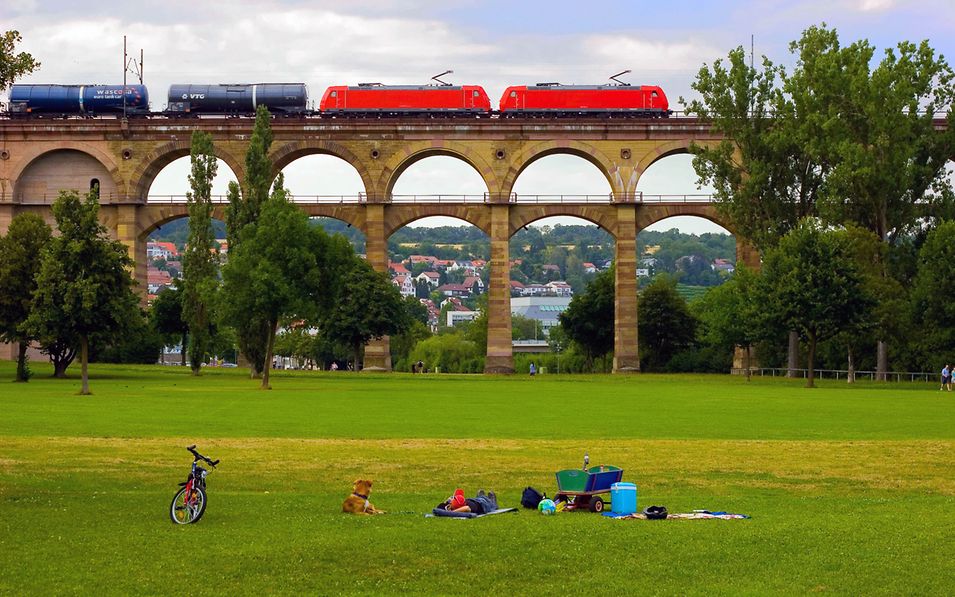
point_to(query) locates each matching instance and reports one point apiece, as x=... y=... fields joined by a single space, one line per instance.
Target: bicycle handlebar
x=199 y=456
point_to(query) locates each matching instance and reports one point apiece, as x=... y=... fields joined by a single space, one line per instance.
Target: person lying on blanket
x=482 y=503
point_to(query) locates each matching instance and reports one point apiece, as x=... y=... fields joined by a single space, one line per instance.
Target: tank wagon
x=375 y=99
x=554 y=99
x=241 y=98
x=78 y=99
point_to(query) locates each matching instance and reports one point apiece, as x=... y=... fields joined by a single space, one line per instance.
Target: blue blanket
x=442 y=513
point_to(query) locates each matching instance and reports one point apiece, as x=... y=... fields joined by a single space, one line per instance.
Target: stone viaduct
x=38 y=158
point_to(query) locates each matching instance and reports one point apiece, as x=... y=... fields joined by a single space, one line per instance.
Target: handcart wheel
x=597 y=505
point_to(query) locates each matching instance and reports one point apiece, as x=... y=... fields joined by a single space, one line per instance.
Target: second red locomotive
x=374 y=99
x=554 y=99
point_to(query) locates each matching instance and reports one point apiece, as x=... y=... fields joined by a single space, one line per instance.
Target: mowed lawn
x=851 y=489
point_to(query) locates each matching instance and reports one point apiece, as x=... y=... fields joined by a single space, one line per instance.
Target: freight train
x=364 y=100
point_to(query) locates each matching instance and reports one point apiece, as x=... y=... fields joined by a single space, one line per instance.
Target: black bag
x=531 y=498
x=655 y=512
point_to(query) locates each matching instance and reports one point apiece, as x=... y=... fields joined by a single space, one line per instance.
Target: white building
x=546 y=309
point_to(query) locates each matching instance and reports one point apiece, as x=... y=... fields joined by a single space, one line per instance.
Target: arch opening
x=672 y=179
x=165 y=244
x=695 y=251
x=562 y=177
x=323 y=178
x=438 y=177
x=171 y=183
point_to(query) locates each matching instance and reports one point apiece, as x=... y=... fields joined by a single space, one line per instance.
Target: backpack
x=531 y=497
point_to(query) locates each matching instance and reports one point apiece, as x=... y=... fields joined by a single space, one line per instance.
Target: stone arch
x=350 y=214
x=661 y=151
x=399 y=216
x=156 y=216
x=531 y=154
x=153 y=163
x=401 y=161
x=104 y=159
x=523 y=215
x=651 y=214
x=289 y=152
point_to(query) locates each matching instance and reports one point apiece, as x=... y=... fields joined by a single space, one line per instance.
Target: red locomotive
x=375 y=99
x=554 y=99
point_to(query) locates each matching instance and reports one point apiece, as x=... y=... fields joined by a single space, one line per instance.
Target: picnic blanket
x=442 y=513
x=694 y=515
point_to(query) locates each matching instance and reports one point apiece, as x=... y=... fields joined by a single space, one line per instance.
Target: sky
x=490 y=43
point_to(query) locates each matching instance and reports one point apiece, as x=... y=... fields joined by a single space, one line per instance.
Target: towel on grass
x=694 y=515
x=442 y=513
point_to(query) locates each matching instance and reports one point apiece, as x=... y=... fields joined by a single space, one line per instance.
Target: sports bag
x=531 y=497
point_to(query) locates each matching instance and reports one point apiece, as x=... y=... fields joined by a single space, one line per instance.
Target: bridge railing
x=303 y=199
x=695 y=198
x=440 y=198
x=361 y=198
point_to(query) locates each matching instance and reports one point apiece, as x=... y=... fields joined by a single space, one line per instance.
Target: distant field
x=850 y=488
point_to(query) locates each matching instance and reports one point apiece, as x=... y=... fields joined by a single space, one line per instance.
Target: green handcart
x=582 y=488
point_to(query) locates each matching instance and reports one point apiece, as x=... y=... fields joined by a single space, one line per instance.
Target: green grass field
x=851 y=489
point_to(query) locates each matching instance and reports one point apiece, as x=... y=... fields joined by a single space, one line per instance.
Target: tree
x=588 y=320
x=770 y=170
x=767 y=171
x=83 y=283
x=403 y=342
x=200 y=262
x=932 y=307
x=282 y=269
x=812 y=284
x=888 y=157
x=20 y=253
x=665 y=323
x=167 y=319
x=12 y=64
x=245 y=205
x=368 y=307
x=730 y=314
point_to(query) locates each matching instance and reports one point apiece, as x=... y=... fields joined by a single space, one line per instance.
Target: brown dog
x=357 y=502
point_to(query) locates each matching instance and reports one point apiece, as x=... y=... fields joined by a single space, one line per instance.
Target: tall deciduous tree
x=20 y=253
x=368 y=307
x=665 y=323
x=888 y=156
x=245 y=205
x=812 y=284
x=279 y=271
x=588 y=320
x=83 y=282
x=200 y=263
x=13 y=64
x=730 y=314
x=932 y=308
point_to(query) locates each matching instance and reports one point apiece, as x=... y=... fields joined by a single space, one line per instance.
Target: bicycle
x=189 y=504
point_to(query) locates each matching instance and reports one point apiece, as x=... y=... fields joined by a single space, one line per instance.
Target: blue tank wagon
x=287 y=98
x=78 y=99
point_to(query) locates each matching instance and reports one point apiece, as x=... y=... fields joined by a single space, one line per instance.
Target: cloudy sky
x=491 y=43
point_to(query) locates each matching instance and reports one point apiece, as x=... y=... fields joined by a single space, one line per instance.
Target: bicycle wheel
x=187 y=509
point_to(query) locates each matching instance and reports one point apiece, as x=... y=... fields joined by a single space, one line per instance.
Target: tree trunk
x=182 y=351
x=792 y=360
x=810 y=379
x=851 y=374
x=268 y=356
x=84 y=361
x=357 y=355
x=749 y=373
x=22 y=362
x=882 y=361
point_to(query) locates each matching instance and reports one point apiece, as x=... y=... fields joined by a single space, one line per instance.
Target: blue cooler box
x=623 y=498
